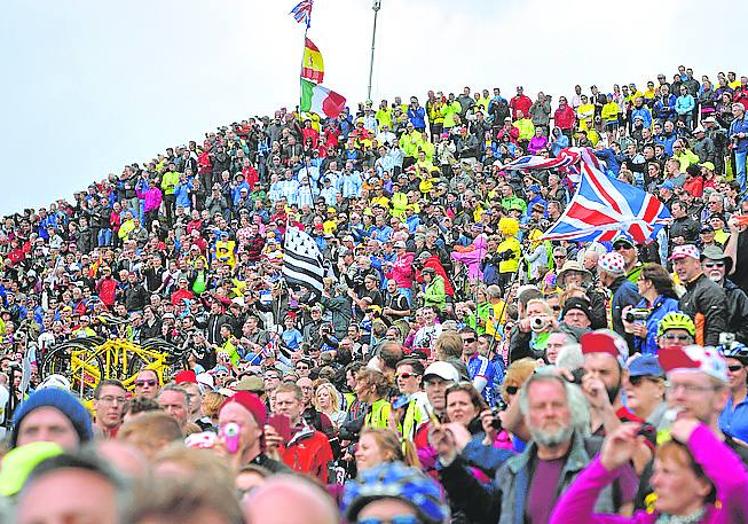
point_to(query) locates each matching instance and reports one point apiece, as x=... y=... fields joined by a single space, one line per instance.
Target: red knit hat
x=604 y=341
x=251 y=403
x=186 y=376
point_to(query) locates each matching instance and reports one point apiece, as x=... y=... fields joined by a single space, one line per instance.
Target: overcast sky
x=89 y=85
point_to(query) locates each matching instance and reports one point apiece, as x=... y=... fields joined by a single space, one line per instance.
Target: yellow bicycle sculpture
x=87 y=361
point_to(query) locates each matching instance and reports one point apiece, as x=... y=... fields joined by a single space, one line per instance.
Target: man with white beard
x=717 y=266
x=554 y=412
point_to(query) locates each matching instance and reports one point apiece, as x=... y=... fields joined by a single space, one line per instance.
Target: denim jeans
x=740 y=157
x=105 y=237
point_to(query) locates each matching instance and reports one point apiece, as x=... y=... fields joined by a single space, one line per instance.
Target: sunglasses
x=512 y=390
x=302 y=367
x=397 y=519
x=635 y=381
x=680 y=338
x=714 y=264
x=468 y=340
x=141 y=383
x=406 y=375
x=619 y=247
x=735 y=368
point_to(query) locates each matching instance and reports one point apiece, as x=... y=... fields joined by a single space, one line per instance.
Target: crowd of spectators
x=457 y=367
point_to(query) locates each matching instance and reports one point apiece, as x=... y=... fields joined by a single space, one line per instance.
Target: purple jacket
x=720 y=464
x=152 y=198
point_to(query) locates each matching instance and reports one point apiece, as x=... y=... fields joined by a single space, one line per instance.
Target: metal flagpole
x=376 y=6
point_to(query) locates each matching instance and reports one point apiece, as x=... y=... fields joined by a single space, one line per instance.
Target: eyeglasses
x=397 y=519
x=635 y=381
x=512 y=390
x=736 y=367
x=556 y=308
x=714 y=264
x=141 y=383
x=112 y=400
x=406 y=376
x=689 y=388
x=679 y=338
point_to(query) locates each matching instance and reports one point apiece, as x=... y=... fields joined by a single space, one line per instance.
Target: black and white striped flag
x=303 y=263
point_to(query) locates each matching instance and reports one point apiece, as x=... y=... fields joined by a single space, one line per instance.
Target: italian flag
x=321 y=100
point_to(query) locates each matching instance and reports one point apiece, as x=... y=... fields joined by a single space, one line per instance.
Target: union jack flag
x=302 y=13
x=602 y=207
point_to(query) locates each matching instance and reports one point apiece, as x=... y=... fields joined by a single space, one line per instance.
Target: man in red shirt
x=604 y=353
x=182 y=292
x=520 y=102
x=307 y=450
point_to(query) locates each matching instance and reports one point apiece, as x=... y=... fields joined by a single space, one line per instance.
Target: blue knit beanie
x=61 y=400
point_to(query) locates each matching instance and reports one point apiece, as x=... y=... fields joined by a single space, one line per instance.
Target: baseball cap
x=624 y=238
x=443 y=370
x=694 y=358
x=685 y=251
x=645 y=366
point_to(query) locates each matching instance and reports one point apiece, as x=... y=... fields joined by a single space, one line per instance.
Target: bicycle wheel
x=82 y=367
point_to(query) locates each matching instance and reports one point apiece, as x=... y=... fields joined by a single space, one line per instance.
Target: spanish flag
x=312 y=68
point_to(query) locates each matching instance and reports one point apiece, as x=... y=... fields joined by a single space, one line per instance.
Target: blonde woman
x=327 y=401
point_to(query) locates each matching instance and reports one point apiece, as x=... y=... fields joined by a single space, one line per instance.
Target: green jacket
x=434 y=294
x=169 y=180
x=449 y=111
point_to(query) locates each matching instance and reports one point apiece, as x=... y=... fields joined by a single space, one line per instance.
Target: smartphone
x=282 y=425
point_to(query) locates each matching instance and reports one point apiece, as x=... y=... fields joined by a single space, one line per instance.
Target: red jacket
x=522 y=102
x=308 y=452
x=181 y=294
x=107 y=289
x=564 y=117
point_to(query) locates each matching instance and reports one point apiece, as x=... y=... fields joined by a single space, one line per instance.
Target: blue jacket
x=624 y=294
x=661 y=307
x=417 y=117
x=684 y=104
x=665 y=109
x=609 y=157
x=560 y=142
x=182 y=194
x=644 y=113
x=667 y=142
x=734 y=419
x=740 y=126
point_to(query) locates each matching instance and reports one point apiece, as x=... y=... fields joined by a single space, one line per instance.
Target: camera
x=496 y=422
x=578 y=375
x=538 y=323
x=636 y=315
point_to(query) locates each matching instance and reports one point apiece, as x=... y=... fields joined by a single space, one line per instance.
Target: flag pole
x=376 y=6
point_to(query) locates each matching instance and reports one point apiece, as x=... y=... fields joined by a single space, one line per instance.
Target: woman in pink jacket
x=696 y=478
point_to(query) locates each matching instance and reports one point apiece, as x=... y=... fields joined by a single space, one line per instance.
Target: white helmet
x=55 y=381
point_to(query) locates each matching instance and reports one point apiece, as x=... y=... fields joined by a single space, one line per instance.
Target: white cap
x=443 y=370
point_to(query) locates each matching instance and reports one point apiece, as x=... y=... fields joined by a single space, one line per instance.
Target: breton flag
x=302 y=13
x=602 y=206
x=312 y=65
x=303 y=264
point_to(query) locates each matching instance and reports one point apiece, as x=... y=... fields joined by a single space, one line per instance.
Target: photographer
x=658 y=299
x=530 y=335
